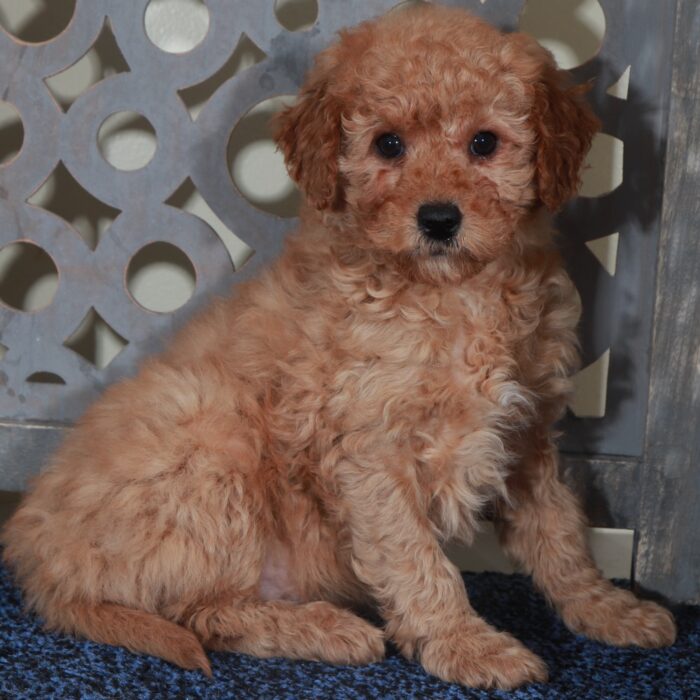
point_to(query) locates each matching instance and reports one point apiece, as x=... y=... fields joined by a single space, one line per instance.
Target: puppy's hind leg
x=316 y=631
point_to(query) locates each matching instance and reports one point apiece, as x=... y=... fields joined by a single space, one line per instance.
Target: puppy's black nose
x=439 y=220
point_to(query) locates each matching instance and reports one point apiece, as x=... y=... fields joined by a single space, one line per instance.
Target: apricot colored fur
x=308 y=445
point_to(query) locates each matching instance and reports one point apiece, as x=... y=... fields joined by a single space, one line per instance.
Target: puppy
x=308 y=445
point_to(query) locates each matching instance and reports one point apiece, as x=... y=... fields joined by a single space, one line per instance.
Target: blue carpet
x=36 y=665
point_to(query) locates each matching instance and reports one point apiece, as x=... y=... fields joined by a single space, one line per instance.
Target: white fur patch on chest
x=467 y=461
x=482 y=367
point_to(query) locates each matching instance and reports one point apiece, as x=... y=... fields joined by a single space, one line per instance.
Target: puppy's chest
x=466 y=369
x=473 y=396
x=449 y=393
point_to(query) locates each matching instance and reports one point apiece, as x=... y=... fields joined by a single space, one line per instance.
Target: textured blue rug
x=37 y=665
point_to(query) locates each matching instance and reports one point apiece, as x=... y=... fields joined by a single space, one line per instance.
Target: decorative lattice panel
x=618 y=303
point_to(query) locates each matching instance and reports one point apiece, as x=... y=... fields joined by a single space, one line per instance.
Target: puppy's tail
x=136 y=630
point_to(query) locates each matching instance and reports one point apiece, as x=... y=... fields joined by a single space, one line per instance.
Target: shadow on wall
x=614 y=315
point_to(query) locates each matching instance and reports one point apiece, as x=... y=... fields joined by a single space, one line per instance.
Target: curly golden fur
x=308 y=445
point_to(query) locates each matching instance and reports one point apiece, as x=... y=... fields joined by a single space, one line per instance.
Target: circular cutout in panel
x=408 y=4
x=45 y=378
x=28 y=276
x=127 y=140
x=36 y=21
x=160 y=277
x=11 y=133
x=257 y=167
x=603 y=169
x=176 y=26
x=572 y=30
x=296 y=15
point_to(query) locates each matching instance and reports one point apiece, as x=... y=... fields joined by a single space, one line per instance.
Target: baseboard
x=612 y=550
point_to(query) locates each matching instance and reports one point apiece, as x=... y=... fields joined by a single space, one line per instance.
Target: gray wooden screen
x=617 y=309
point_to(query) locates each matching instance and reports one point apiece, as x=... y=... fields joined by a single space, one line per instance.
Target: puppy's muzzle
x=439 y=221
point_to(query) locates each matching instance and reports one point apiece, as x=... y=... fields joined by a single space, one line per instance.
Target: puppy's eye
x=389 y=146
x=483 y=144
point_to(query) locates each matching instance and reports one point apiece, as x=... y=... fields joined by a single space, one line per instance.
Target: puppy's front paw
x=481 y=657
x=621 y=619
x=363 y=645
x=350 y=640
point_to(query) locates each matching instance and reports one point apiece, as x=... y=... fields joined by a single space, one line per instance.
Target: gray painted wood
x=186 y=149
x=24 y=450
x=617 y=309
x=608 y=488
x=605 y=486
x=668 y=554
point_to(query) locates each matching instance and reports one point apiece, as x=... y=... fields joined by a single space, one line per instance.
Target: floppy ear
x=565 y=126
x=308 y=134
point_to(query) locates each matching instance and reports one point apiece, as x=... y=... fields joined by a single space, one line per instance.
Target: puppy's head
x=431 y=135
